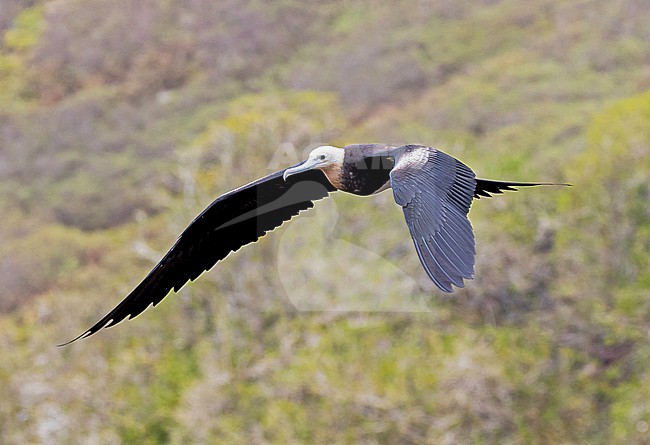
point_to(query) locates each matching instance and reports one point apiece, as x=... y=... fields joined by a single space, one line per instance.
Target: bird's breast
x=365 y=178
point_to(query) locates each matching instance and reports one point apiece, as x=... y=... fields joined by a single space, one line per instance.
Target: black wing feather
x=233 y=220
x=435 y=192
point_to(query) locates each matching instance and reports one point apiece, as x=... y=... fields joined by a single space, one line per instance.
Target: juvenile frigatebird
x=434 y=189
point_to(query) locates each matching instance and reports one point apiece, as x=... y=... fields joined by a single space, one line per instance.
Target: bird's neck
x=334 y=174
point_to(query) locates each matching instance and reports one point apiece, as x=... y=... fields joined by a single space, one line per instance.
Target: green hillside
x=121 y=120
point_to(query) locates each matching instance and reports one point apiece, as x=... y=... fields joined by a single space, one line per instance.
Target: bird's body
x=434 y=190
x=365 y=170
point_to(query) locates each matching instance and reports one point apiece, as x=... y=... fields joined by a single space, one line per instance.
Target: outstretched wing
x=233 y=220
x=435 y=192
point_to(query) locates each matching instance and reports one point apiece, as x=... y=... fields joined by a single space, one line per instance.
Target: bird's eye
x=321 y=157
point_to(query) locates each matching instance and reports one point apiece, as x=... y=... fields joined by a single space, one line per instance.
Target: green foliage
x=15 y=48
x=26 y=30
x=173 y=371
x=32 y=263
x=612 y=178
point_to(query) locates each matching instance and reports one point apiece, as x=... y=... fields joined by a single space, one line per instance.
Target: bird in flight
x=434 y=190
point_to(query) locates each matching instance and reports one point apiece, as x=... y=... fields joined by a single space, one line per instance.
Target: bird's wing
x=233 y=220
x=435 y=192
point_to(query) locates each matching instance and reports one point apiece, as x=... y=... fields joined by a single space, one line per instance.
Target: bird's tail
x=486 y=187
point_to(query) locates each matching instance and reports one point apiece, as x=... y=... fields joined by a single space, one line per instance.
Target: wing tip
x=102 y=324
x=85 y=334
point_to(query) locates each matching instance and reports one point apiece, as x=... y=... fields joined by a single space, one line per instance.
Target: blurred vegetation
x=121 y=120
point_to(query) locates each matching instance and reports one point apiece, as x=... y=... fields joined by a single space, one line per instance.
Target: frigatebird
x=434 y=190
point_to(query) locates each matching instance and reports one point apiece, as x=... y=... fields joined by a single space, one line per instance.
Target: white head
x=320 y=157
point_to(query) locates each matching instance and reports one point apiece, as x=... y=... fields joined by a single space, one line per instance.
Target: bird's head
x=322 y=157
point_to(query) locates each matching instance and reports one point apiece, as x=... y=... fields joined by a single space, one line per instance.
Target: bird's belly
x=365 y=185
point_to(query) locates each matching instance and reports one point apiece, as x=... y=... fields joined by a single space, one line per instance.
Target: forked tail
x=485 y=187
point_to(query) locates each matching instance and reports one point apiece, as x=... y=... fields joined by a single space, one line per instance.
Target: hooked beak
x=309 y=164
